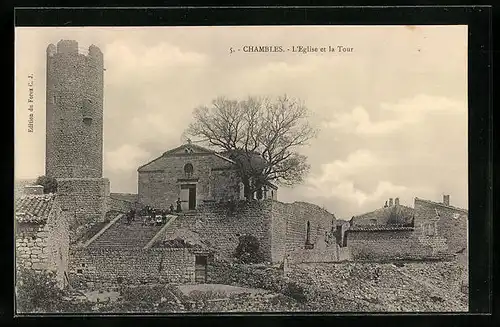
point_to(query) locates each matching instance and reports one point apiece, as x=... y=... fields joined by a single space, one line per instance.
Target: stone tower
x=74 y=135
x=74 y=111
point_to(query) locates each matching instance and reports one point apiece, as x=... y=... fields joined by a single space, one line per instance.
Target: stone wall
x=45 y=246
x=160 y=187
x=314 y=255
x=279 y=227
x=86 y=199
x=101 y=267
x=289 y=228
x=121 y=205
x=384 y=245
x=220 y=224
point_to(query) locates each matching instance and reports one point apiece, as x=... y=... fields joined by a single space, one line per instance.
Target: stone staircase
x=123 y=235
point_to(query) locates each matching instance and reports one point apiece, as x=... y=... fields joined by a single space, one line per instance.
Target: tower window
x=87 y=121
x=308 y=233
x=54 y=99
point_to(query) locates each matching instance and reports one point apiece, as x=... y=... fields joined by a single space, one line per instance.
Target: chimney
x=396 y=201
x=33 y=189
x=446 y=199
x=390 y=202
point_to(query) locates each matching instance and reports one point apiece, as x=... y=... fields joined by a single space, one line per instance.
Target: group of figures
x=152 y=216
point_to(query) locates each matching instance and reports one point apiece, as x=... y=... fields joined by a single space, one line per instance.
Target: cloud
x=400 y=114
x=126 y=158
x=336 y=179
x=345 y=190
x=129 y=60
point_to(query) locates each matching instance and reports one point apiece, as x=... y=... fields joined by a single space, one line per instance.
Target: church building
x=194 y=175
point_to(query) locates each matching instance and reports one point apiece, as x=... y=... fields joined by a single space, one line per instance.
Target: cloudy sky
x=392 y=113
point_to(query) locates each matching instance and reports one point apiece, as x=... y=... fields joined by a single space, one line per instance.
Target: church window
x=188 y=169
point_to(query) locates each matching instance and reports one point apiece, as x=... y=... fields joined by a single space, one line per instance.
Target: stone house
x=195 y=175
x=42 y=235
x=429 y=229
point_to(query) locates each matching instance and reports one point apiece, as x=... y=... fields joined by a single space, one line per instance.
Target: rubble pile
x=416 y=287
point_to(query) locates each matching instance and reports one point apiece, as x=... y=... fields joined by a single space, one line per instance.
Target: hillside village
x=183 y=242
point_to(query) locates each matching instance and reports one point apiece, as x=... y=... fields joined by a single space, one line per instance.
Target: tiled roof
x=380 y=228
x=34 y=208
x=442 y=205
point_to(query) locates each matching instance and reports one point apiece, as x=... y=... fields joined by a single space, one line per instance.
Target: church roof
x=34 y=208
x=181 y=150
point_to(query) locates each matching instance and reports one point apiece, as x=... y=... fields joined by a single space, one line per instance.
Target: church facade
x=194 y=175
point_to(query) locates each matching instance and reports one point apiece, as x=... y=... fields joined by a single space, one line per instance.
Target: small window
x=87 y=121
x=308 y=233
x=83 y=265
x=54 y=99
x=188 y=169
x=430 y=229
x=79 y=271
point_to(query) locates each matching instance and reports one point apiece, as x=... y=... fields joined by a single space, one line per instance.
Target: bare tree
x=261 y=135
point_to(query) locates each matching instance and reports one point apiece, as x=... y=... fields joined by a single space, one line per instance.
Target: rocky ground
x=414 y=287
x=342 y=287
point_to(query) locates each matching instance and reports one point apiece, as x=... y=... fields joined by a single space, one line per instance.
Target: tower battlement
x=71 y=47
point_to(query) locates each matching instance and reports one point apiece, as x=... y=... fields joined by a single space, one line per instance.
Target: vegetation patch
x=248 y=250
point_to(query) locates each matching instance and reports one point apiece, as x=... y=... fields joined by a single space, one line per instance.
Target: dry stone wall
x=106 y=267
x=45 y=246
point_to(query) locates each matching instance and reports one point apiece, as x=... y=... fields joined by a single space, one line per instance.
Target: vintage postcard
x=241 y=169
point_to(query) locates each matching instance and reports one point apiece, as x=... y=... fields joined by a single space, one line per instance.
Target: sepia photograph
x=241 y=169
